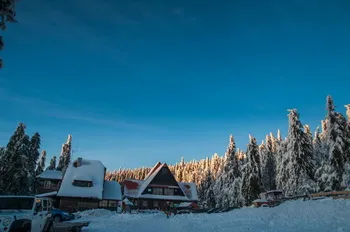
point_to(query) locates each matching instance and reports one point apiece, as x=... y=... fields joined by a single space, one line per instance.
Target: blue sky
x=135 y=82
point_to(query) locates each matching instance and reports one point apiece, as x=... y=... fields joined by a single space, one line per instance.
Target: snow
x=47 y=194
x=311 y=216
x=191 y=193
x=112 y=191
x=93 y=169
x=51 y=174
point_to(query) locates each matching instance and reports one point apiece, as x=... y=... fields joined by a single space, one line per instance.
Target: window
x=47 y=184
x=103 y=203
x=149 y=190
x=80 y=183
x=145 y=204
x=112 y=204
x=158 y=191
x=155 y=204
x=168 y=191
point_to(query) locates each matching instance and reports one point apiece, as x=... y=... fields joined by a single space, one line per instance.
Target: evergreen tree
x=298 y=171
x=7 y=14
x=251 y=184
x=41 y=164
x=337 y=146
x=52 y=164
x=268 y=163
x=15 y=173
x=35 y=142
x=65 y=156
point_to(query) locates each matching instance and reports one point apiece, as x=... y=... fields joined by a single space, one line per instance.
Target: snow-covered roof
x=47 y=194
x=112 y=191
x=93 y=169
x=184 y=204
x=51 y=174
x=135 y=188
x=189 y=190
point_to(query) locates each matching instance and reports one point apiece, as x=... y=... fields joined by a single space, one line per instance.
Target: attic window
x=81 y=183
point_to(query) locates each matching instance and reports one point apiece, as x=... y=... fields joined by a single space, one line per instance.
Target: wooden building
x=158 y=188
x=83 y=187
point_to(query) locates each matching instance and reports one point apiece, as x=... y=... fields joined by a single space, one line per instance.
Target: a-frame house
x=159 y=187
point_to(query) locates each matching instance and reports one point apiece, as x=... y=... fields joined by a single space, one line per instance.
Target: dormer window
x=82 y=183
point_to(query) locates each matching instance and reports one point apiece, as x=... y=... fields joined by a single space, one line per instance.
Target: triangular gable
x=161 y=176
x=153 y=170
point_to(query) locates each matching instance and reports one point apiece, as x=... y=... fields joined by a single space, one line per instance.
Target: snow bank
x=311 y=216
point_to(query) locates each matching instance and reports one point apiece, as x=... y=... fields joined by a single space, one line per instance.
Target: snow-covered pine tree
x=41 y=165
x=319 y=153
x=251 y=183
x=14 y=168
x=52 y=164
x=65 y=156
x=348 y=111
x=268 y=163
x=337 y=146
x=230 y=191
x=204 y=189
x=297 y=173
x=35 y=142
x=7 y=14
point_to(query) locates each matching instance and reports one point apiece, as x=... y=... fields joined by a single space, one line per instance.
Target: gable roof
x=112 y=191
x=50 y=174
x=135 y=188
x=89 y=170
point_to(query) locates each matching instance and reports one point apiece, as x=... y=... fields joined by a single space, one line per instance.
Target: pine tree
x=268 y=163
x=65 y=156
x=35 y=142
x=298 y=171
x=251 y=183
x=52 y=164
x=7 y=14
x=15 y=173
x=41 y=165
x=337 y=146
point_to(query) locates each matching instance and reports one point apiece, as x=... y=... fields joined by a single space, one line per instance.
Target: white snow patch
x=112 y=191
x=311 y=216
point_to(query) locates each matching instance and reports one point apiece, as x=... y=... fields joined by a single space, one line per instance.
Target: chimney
x=78 y=162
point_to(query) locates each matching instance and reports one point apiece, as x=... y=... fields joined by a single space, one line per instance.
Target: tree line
x=301 y=163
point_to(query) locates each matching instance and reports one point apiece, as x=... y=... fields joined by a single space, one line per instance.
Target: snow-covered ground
x=300 y=216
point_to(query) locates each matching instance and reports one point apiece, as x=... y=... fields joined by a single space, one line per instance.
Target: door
x=38 y=216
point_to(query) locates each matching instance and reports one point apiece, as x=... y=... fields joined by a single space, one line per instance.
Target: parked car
x=25 y=213
x=59 y=215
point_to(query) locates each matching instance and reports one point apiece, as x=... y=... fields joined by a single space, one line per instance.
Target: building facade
x=158 y=188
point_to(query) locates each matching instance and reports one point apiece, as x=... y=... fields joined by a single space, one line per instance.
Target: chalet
x=49 y=181
x=83 y=187
x=159 y=187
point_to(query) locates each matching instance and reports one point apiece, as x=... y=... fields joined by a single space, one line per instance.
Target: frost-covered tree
x=65 y=156
x=297 y=172
x=268 y=163
x=14 y=170
x=41 y=165
x=348 y=111
x=337 y=146
x=205 y=191
x=7 y=15
x=251 y=183
x=319 y=152
x=52 y=164
x=35 y=142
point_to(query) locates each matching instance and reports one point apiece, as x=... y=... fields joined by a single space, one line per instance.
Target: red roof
x=131 y=184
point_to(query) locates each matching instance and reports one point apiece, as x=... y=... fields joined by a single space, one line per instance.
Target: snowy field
x=314 y=216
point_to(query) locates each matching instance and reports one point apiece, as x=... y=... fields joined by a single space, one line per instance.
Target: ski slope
x=306 y=216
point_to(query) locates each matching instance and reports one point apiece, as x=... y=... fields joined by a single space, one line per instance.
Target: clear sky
x=136 y=82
